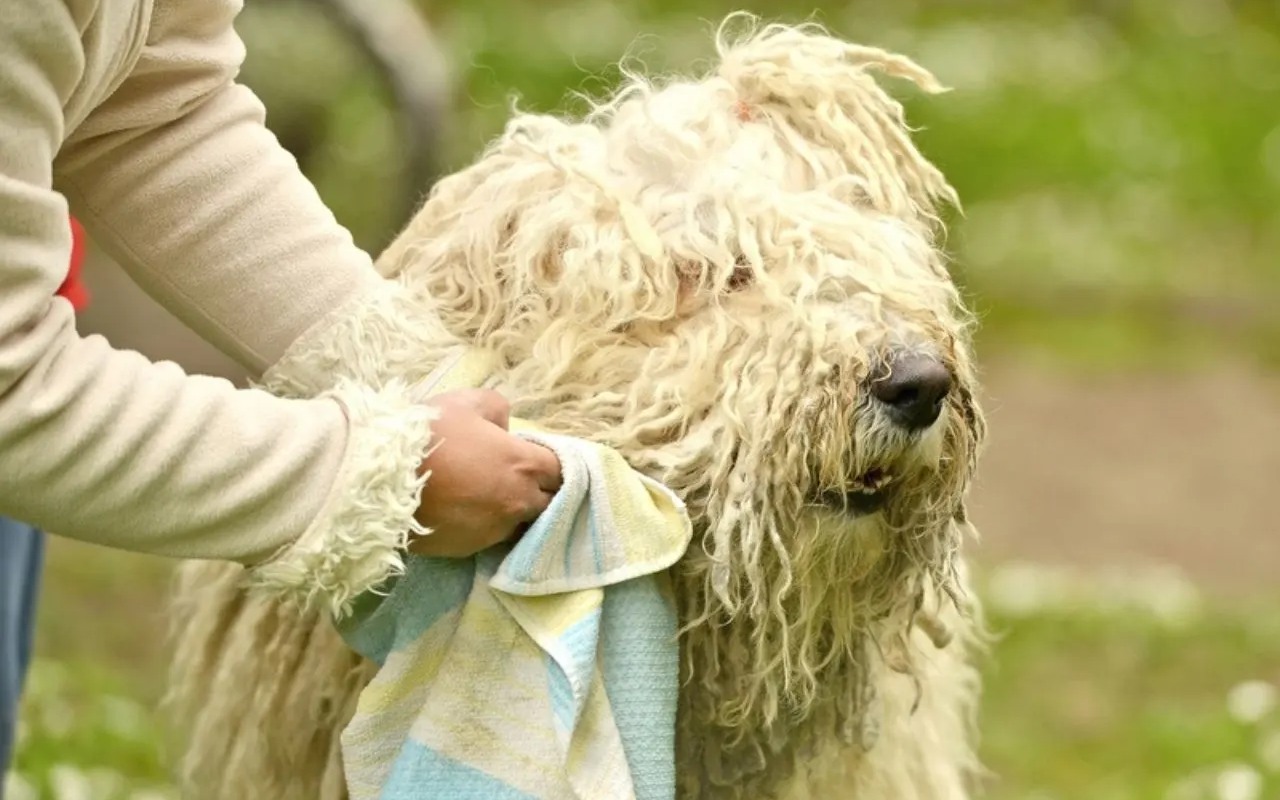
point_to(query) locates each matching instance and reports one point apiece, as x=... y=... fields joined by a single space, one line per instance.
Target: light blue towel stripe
x=636 y=612
x=577 y=647
x=594 y=530
x=562 y=704
x=383 y=623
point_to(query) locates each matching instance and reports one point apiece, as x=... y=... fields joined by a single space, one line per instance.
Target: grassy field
x=1131 y=687
x=1120 y=167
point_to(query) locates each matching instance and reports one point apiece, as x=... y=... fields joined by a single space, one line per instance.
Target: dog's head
x=736 y=282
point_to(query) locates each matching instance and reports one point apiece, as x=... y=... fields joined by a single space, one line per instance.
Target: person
x=21 y=558
x=127 y=114
x=21 y=555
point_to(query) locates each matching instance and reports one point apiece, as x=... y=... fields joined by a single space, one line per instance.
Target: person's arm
x=177 y=177
x=107 y=447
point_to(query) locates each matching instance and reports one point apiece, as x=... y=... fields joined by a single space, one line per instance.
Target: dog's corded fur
x=707 y=276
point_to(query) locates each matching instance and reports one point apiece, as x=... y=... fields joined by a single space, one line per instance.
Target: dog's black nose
x=914 y=390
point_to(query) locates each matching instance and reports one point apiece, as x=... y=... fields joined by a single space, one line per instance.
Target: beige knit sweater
x=127 y=110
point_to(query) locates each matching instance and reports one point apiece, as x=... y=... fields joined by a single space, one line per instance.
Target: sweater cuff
x=357 y=542
x=368 y=355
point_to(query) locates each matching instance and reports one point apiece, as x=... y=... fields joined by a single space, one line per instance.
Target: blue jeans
x=21 y=557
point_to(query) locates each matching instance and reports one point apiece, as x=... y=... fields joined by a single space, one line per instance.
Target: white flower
x=1269 y=751
x=74 y=783
x=1022 y=589
x=70 y=783
x=124 y=717
x=1239 y=782
x=16 y=787
x=1250 y=701
x=1167 y=594
x=1158 y=592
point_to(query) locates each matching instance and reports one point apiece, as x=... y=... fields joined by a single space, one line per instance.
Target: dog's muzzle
x=869 y=494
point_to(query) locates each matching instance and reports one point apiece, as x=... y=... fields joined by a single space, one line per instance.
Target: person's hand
x=485 y=484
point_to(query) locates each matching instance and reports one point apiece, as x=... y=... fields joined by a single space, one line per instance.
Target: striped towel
x=546 y=669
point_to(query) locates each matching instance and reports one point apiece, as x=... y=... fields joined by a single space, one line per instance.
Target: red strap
x=73 y=288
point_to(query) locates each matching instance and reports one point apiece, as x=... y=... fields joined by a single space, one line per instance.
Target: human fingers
x=543 y=464
x=535 y=503
x=429 y=545
x=492 y=406
x=462 y=542
x=485 y=403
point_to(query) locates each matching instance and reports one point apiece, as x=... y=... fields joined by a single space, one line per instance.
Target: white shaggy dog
x=737 y=283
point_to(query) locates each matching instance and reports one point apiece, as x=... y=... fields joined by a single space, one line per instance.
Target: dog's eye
x=742 y=276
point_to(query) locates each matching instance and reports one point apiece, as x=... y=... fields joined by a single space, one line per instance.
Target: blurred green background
x=1119 y=163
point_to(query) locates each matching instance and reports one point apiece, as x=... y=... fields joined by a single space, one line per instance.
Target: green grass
x=1122 y=708
x=1095 y=689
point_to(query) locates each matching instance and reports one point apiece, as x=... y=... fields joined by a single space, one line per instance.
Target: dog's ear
x=819 y=92
x=536 y=231
x=485 y=231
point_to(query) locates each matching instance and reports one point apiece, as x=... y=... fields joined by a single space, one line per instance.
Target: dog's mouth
x=865 y=495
